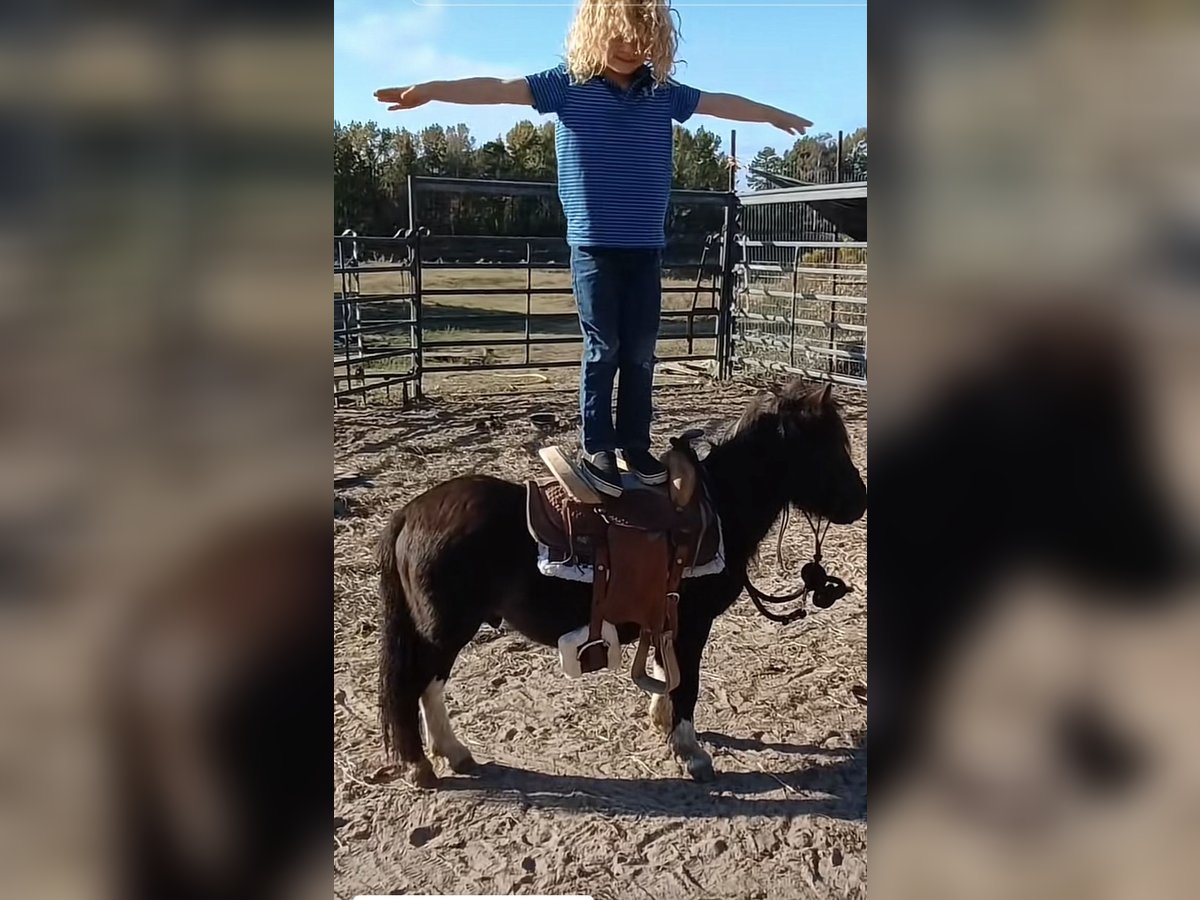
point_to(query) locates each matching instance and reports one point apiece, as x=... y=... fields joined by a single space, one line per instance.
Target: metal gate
x=800 y=295
x=376 y=315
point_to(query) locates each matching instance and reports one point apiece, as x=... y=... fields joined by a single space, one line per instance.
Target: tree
x=357 y=185
x=372 y=165
x=434 y=150
x=524 y=145
x=460 y=152
x=854 y=156
x=699 y=163
x=766 y=160
x=494 y=160
x=399 y=161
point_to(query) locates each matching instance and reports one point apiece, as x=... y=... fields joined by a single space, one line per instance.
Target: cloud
x=403 y=44
x=370 y=35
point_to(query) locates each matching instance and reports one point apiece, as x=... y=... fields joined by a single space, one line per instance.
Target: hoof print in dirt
x=383 y=775
x=423 y=834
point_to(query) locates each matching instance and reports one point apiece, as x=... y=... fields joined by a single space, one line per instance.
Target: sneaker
x=643 y=464
x=601 y=470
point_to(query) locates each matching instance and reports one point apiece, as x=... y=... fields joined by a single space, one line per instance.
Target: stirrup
x=669 y=663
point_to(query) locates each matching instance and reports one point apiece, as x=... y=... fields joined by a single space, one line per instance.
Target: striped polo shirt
x=614 y=154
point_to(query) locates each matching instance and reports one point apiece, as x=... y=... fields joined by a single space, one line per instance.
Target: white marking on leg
x=660 y=704
x=686 y=746
x=683 y=739
x=438 y=729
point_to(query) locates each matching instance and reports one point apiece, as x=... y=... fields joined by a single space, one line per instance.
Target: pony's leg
x=407 y=727
x=682 y=739
x=442 y=740
x=660 y=704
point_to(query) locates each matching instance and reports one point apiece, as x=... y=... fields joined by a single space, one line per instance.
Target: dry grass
x=585 y=797
x=516 y=280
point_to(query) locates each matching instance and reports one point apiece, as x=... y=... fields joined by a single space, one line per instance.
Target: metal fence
x=376 y=327
x=495 y=302
x=800 y=302
x=786 y=294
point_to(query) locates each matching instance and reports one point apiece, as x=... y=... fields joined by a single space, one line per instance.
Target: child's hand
x=402 y=97
x=790 y=123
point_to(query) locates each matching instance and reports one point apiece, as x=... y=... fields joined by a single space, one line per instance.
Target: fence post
x=833 y=328
x=725 y=319
x=414 y=236
x=528 y=297
x=733 y=157
x=796 y=258
x=725 y=315
x=341 y=315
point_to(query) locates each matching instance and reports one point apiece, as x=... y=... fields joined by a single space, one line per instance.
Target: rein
x=760 y=598
x=825 y=589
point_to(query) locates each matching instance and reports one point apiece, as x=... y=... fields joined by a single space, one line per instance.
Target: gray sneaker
x=601 y=470
x=643 y=464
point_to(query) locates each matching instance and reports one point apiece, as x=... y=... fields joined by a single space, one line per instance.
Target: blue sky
x=808 y=59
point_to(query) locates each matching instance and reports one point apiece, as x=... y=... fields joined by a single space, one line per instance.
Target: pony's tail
x=397 y=635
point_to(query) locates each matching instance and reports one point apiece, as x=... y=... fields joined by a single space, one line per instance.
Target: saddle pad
x=552 y=520
x=553 y=565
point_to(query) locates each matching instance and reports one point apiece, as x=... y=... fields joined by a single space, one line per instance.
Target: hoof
x=421 y=774
x=700 y=768
x=464 y=764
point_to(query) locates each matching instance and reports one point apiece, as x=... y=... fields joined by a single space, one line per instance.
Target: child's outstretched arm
x=474 y=91
x=739 y=109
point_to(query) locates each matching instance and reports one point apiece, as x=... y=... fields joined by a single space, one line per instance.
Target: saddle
x=637 y=546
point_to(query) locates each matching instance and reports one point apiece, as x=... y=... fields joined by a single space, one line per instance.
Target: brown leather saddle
x=637 y=546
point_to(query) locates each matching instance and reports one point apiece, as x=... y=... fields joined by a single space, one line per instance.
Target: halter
x=825 y=589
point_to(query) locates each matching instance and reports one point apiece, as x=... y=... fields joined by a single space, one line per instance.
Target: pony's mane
x=796 y=402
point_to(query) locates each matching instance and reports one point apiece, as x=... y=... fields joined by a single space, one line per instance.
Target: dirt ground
x=578 y=793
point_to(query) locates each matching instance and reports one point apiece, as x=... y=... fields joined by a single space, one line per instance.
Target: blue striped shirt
x=614 y=154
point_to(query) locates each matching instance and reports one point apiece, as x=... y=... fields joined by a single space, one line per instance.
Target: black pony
x=460 y=555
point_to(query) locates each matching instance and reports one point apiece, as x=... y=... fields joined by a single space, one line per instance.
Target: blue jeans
x=619 y=294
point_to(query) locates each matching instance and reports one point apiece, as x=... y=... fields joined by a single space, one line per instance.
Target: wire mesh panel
x=376 y=338
x=800 y=298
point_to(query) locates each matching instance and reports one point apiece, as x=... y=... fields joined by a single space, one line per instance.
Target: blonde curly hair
x=648 y=25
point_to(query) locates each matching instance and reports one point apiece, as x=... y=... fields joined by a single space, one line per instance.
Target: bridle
x=825 y=589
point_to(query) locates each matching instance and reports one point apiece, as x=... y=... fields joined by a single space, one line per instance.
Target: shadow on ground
x=835 y=787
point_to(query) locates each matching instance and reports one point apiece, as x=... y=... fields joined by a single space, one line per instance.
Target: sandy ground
x=579 y=794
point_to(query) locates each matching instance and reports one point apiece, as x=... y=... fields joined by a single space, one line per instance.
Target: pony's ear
x=825 y=399
x=793 y=390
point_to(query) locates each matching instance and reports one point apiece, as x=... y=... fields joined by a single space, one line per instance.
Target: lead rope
x=819 y=530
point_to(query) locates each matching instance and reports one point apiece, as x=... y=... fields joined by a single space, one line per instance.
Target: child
x=615 y=103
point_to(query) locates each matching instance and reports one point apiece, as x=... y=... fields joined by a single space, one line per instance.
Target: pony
x=460 y=555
